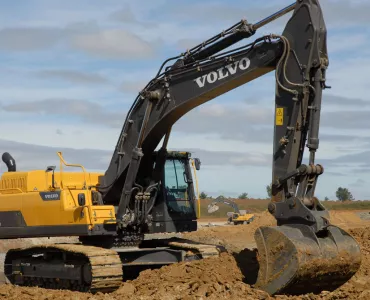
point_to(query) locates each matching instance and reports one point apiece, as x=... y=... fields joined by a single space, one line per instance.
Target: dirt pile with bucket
x=225 y=277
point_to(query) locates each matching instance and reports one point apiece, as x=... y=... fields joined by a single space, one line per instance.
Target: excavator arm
x=302 y=252
x=212 y=207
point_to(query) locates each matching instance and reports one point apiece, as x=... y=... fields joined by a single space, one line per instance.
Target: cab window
x=176 y=186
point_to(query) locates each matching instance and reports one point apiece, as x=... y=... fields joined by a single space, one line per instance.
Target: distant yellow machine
x=237 y=217
x=243 y=217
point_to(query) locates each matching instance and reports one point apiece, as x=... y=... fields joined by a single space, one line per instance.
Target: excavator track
x=88 y=268
x=65 y=266
x=193 y=249
x=203 y=250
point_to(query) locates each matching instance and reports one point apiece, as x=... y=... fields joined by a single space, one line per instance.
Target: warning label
x=279 y=116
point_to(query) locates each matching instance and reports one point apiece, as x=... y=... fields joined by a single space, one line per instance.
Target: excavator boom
x=300 y=59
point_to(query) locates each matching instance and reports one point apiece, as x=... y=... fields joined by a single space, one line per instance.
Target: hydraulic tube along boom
x=242 y=31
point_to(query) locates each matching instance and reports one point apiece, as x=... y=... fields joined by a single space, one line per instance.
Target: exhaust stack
x=9 y=161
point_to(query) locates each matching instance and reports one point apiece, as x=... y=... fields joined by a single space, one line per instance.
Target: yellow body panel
x=20 y=191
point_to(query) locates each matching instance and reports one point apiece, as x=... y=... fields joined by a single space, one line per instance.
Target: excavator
x=239 y=216
x=114 y=213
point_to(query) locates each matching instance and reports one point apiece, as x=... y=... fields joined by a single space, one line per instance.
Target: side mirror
x=197 y=163
x=51 y=169
x=81 y=199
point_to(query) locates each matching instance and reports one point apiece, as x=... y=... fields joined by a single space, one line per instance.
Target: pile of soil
x=212 y=278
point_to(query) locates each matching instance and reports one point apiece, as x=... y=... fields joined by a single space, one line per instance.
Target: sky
x=71 y=70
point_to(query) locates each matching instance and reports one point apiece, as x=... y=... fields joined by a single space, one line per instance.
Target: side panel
x=57 y=213
x=41 y=208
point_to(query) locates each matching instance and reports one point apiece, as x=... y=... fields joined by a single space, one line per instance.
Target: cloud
x=84 y=110
x=73 y=76
x=336 y=100
x=227 y=158
x=213 y=119
x=30 y=156
x=185 y=44
x=346 y=119
x=354 y=41
x=113 y=44
x=89 y=37
x=132 y=86
x=334 y=10
x=356 y=13
x=359 y=183
x=124 y=15
x=239 y=122
x=235 y=122
x=29 y=39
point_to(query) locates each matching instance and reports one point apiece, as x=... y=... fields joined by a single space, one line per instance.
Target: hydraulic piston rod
x=274 y=16
x=239 y=31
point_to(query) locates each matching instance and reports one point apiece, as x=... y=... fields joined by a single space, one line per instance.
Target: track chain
x=203 y=249
x=104 y=266
x=193 y=248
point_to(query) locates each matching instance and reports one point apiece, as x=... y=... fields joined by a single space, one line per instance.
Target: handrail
x=62 y=161
x=196 y=185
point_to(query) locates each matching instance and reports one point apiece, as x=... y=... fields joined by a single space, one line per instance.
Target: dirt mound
x=347 y=219
x=8 y=292
x=234 y=237
x=212 y=278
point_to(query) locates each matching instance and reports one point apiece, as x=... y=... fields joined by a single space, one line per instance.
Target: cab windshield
x=177 y=190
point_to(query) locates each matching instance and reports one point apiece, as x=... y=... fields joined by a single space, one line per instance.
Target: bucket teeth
x=294 y=260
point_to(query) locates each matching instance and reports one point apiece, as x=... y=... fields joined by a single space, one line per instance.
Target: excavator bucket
x=212 y=208
x=294 y=260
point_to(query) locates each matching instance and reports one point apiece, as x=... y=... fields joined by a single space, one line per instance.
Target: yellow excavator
x=145 y=190
x=237 y=217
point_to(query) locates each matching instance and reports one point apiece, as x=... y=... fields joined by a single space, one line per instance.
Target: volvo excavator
x=239 y=216
x=113 y=213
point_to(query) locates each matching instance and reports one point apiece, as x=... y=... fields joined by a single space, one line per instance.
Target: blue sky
x=70 y=71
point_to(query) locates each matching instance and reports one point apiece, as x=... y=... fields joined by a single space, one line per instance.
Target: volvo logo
x=223 y=72
x=49 y=196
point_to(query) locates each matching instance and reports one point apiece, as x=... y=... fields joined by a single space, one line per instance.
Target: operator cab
x=175 y=208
